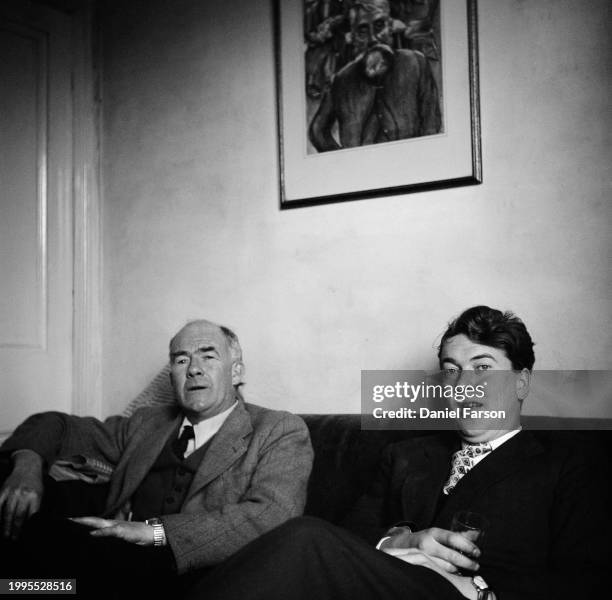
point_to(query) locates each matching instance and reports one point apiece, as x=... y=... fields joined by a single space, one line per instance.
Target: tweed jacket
x=252 y=478
x=548 y=526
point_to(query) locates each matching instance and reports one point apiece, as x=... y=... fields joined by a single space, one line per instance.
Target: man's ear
x=523 y=383
x=237 y=372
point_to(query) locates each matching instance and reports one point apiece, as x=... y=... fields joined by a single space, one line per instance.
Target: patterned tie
x=180 y=444
x=463 y=461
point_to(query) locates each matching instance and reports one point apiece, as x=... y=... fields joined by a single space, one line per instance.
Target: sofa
x=345 y=456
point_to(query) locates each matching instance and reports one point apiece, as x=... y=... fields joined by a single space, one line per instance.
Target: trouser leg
x=103 y=567
x=309 y=559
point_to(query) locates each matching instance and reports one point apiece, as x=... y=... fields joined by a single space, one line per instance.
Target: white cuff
x=382 y=541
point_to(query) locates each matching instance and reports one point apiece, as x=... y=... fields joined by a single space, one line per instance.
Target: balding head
x=206 y=367
x=203 y=324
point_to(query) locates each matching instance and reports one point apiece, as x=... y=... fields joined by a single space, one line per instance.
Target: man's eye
x=181 y=360
x=450 y=372
x=482 y=367
x=379 y=25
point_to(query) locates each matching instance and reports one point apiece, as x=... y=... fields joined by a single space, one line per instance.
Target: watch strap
x=159 y=535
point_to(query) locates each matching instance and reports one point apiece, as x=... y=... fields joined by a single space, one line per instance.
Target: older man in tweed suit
x=192 y=482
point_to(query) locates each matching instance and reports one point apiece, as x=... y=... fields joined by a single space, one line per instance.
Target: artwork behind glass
x=372 y=72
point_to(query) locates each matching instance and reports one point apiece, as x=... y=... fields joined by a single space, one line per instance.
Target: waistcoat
x=163 y=490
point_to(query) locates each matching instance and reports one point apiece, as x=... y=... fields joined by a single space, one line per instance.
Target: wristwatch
x=159 y=535
x=483 y=589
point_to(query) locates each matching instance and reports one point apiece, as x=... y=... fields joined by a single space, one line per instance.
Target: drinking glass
x=472 y=526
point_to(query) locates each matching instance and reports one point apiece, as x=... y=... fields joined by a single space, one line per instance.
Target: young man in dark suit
x=192 y=483
x=547 y=532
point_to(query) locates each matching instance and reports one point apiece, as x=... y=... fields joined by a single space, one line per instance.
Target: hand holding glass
x=472 y=526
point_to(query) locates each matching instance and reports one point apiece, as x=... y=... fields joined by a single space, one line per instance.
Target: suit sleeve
x=277 y=492
x=54 y=434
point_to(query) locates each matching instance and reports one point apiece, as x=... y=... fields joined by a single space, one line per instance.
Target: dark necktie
x=180 y=444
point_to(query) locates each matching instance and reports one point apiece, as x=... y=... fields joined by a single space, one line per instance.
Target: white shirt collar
x=502 y=439
x=497 y=442
x=204 y=430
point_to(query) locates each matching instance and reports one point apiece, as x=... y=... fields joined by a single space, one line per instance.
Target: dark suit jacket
x=548 y=527
x=253 y=476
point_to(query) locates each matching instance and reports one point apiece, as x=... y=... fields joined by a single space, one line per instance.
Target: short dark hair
x=492 y=327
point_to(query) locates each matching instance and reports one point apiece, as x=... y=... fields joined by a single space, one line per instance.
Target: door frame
x=86 y=189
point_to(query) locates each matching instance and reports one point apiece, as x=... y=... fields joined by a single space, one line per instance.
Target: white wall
x=192 y=226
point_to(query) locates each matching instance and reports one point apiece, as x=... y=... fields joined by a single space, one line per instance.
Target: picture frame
x=338 y=162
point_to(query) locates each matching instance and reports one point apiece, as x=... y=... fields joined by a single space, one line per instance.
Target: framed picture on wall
x=376 y=97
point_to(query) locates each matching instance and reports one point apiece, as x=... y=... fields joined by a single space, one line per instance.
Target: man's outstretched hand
x=21 y=494
x=135 y=532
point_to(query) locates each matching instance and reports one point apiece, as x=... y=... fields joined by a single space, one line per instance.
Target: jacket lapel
x=501 y=463
x=225 y=448
x=139 y=457
x=428 y=470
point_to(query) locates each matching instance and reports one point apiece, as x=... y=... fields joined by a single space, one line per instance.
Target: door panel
x=35 y=213
x=23 y=129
